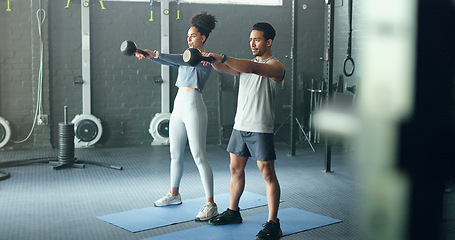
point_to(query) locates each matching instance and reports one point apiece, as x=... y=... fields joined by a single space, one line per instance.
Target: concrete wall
x=20 y=60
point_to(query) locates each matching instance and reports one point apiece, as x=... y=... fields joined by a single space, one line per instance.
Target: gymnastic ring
x=346 y=60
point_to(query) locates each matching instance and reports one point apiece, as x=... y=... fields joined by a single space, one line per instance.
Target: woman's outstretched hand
x=141 y=56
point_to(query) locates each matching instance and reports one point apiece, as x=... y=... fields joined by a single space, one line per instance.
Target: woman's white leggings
x=189 y=121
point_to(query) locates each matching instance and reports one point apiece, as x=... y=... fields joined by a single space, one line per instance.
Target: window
x=243 y=2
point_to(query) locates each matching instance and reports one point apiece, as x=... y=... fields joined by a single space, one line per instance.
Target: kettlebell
x=193 y=57
x=129 y=48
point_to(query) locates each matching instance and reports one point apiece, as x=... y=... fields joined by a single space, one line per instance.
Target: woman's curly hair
x=204 y=23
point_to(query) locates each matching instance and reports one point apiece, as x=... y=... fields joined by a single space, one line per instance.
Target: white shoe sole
x=164 y=205
x=204 y=219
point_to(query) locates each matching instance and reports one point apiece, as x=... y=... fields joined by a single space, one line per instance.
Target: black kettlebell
x=193 y=57
x=129 y=48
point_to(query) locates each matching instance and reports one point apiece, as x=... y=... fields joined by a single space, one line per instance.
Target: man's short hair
x=266 y=28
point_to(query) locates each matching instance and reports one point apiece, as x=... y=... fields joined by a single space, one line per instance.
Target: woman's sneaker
x=271 y=231
x=209 y=210
x=169 y=199
x=227 y=217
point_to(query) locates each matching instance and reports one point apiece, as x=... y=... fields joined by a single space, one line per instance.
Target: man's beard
x=258 y=53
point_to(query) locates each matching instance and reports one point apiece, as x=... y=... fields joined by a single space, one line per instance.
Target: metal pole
x=165 y=71
x=85 y=30
x=293 y=60
x=65 y=114
x=331 y=15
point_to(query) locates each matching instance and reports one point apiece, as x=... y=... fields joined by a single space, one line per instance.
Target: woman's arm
x=174 y=60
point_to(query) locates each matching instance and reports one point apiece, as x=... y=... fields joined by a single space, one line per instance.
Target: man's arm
x=217 y=65
x=272 y=69
x=221 y=67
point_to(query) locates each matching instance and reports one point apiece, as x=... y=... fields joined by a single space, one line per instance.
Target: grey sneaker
x=169 y=199
x=209 y=210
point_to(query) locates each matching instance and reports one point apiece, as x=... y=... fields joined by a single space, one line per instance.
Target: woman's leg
x=177 y=141
x=177 y=138
x=196 y=127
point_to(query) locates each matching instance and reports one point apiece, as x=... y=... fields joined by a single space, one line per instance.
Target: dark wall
x=124 y=95
x=20 y=70
x=341 y=34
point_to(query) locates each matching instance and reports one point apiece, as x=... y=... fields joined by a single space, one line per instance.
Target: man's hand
x=217 y=65
x=217 y=58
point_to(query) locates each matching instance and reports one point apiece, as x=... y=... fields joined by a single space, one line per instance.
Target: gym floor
x=38 y=202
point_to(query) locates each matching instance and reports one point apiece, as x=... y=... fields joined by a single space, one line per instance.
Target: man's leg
x=237 y=183
x=272 y=229
x=267 y=169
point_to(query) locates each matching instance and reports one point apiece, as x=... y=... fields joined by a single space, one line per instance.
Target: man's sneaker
x=227 y=217
x=209 y=210
x=271 y=231
x=169 y=199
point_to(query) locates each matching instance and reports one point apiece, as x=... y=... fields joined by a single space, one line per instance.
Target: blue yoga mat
x=137 y=220
x=292 y=221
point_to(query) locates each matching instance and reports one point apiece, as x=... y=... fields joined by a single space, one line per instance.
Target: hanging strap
x=348 y=57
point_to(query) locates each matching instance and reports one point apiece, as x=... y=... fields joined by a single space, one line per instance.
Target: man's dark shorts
x=259 y=146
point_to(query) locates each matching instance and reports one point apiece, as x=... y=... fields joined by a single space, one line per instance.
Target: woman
x=189 y=117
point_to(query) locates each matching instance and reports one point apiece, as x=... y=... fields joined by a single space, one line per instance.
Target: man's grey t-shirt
x=256 y=103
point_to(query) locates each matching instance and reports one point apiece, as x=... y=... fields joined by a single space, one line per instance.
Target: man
x=252 y=135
